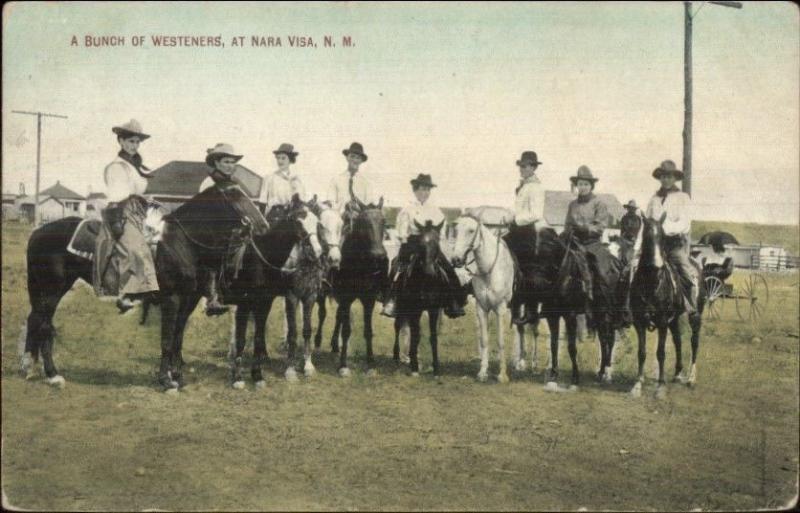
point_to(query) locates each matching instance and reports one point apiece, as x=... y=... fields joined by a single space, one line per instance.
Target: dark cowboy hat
x=528 y=157
x=130 y=129
x=422 y=180
x=219 y=151
x=286 y=148
x=357 y=149
x=631 y=204
x=667 y=167
x=584 y=173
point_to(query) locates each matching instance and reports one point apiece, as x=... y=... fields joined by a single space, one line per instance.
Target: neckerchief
x=136 y=162
x=662 y=193
x=586 y=199
x=530 y=179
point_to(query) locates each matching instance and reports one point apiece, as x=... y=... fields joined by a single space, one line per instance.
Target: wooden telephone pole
x=687 y=88
x=38 y=154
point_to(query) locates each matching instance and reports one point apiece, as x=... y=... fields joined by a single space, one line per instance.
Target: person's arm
x=403 y=225
x=600 y=221
x=530 y=206
x=117 y=186
x=678 y=221
x=333 y=196
x=650 y=208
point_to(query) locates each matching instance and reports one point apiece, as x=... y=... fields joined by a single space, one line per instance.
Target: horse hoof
x=372 y=373
x=405 y=359
x=520 y=366
x=238 y=385
x=679 y=378
x=573 y=388
x=415 y=374
x=309 y=372
x=483 y=377
x=260 y=385
x=636 y=391
x=57 y=381
x=551 y=386
x=661 y=392
x=171 y=391
x=344 y=372
x=502 y=378
x=291 y=375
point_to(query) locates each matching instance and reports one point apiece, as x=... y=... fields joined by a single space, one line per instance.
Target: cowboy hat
x=584 y=173
x=219 y=151
x=528 y=157
x=631 y=204
x=667 y=167
x=422 y=180
x=130 y=129
x=286 y=148
x=357 y=149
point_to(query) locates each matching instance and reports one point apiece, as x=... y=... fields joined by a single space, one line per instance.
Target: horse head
x=304 y=214
x=429 y=241
x=468 y=230
x=651 y=252
x=369 y=228
x=330 y=234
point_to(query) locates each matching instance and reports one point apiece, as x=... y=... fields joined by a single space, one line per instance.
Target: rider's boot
x=214 y=306
x=124 y=303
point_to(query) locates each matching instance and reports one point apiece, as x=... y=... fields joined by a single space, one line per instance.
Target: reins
x=473 y=248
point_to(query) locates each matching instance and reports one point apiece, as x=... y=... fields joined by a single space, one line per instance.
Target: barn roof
x=60 y=192
x=9 y=197
x=182 y=179
x=96 y=195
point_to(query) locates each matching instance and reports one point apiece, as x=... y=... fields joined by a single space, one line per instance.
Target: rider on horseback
x=221 y=160
x=528 y=220
x=587 y=218
x=350 y=188
x=280 y=186
x=123 y=264
x=417 y=213
x=628 y=230
x=672 y=208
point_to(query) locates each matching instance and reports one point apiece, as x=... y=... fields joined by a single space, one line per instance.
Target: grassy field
x=111 y=441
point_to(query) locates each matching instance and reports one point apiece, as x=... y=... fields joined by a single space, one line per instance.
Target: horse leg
x=677 y=341
x=337 y=330
x=290 y=302
x=261 y=308
x=534 y=344
x=695 y=321
x=433 y=326
x=413 y=325
x=322 y=312
x=571 y=323
x=610 y=342
x=369 y=306
x=243 y=310
x=660 y=355
x=185 y=310
x=502 y=375
x=641 y=337
x=308 y=311
x=169 y=313
x=39 y=340
x=551 y=377
x=518 y=358
x=343 y=319
x=398 y=325
x=483 y=342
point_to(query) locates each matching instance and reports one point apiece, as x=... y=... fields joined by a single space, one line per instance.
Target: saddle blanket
x=83 y=240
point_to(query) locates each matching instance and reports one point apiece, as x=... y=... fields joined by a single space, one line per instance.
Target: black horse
x=203 y=235
x=423 y=290
x=262 y=279
x=362 y=275
x=657 y=303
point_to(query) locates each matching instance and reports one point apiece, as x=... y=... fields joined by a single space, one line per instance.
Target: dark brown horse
x=423 y=290
x=657 y=303
x=361 y=275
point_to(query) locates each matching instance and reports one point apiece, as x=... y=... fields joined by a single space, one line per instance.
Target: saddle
x=82 y=242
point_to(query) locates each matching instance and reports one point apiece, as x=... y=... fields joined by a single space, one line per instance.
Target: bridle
x=473 y=247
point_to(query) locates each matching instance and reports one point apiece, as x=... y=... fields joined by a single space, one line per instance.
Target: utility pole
x=687 y=88
x=38 y=154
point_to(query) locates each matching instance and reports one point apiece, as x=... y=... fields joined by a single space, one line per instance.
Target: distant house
x=95 y=203
x=174 y=183
x=55 y=202
x=9 y=208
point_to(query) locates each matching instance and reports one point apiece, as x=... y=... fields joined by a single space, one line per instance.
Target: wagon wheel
x=714 y=297
x=752 y=300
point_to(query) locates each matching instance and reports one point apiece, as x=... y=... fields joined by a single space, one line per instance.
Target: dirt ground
x=111 y=441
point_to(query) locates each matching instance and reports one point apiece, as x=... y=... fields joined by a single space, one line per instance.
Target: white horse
x=492 y=283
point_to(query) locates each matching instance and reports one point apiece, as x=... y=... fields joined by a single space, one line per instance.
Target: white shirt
x=279 y=187
x=421 y=213
x=678 y=206
x=529 y=203
x=122 y=180
x=339 y=195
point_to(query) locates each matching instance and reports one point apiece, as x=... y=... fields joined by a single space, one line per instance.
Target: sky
x=454 y=90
